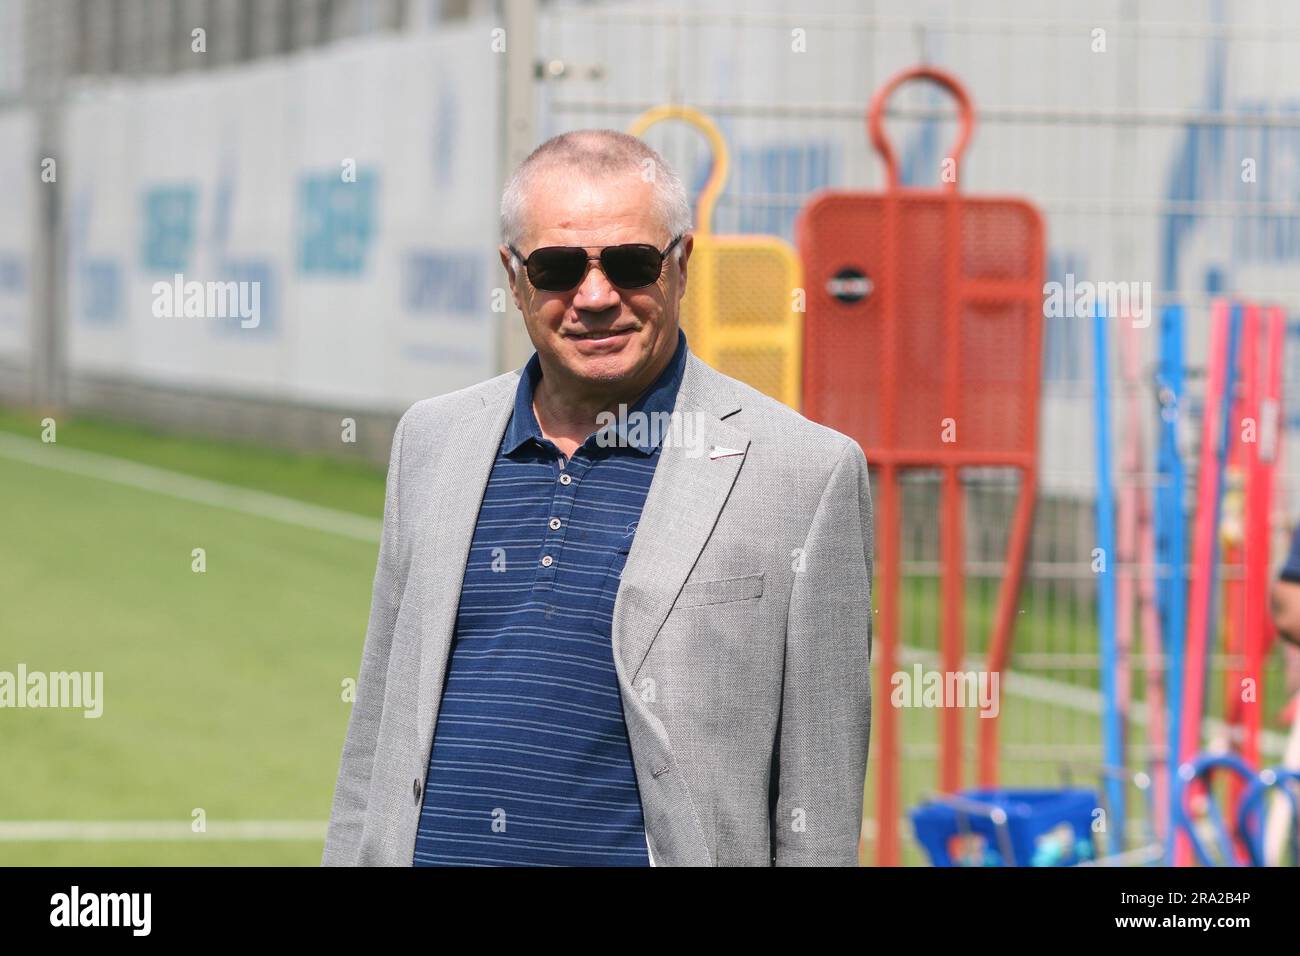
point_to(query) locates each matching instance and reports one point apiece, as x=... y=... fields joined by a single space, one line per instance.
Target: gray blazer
x=741 y=635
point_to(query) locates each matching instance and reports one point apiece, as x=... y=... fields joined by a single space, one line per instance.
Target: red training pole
x=1198 y=616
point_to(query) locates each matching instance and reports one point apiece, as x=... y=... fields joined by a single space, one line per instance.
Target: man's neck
x=568 y=414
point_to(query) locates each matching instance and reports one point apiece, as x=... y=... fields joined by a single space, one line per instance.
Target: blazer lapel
x=687 y=494
x=685 y=499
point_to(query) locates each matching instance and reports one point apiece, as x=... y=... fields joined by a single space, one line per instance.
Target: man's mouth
x=598 y=336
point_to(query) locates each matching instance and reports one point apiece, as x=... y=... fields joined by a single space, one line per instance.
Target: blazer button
x=415 y=789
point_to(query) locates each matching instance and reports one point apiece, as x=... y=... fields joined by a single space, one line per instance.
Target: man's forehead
x=577 y=207
x=607 y=233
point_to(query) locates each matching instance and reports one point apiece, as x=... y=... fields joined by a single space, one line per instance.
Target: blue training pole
x=1112 y=729
x=1171 y=544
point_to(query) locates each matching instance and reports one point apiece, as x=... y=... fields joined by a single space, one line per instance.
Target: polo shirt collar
x=657 y=401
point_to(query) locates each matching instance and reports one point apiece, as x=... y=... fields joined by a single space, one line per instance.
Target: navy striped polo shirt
x=531 y=763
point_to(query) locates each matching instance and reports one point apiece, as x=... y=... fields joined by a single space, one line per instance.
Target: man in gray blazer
x=622 y=611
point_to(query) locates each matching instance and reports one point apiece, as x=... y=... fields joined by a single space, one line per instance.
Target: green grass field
x=223 y=689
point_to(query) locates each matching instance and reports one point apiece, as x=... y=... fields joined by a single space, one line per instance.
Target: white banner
x=328 y=222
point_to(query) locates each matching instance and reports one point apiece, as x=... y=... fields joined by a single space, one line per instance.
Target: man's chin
x=604 y=364
x=606 y=369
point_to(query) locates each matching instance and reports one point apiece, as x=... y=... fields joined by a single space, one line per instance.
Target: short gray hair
x=595 y=153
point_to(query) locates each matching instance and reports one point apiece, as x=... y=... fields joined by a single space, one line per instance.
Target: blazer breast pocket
x=722 y=591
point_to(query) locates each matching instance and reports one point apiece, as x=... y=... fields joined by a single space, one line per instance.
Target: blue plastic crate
x=1044 y=827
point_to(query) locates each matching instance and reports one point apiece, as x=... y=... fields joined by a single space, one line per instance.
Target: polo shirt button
x=415 y=789
x=555 y=524
x=547 y=561
x=565 y=479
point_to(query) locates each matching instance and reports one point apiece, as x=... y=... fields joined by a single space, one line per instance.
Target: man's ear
x=686 y=245
x=512 y=275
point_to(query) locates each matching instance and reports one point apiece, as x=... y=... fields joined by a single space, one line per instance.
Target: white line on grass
x=89 y=464
x=200 y=491
x=117 y=831
x=1083 y=700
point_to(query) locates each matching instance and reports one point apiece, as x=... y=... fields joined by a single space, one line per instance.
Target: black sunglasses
x=632 y=265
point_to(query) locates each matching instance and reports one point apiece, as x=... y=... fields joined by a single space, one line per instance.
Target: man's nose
x=595 y=292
